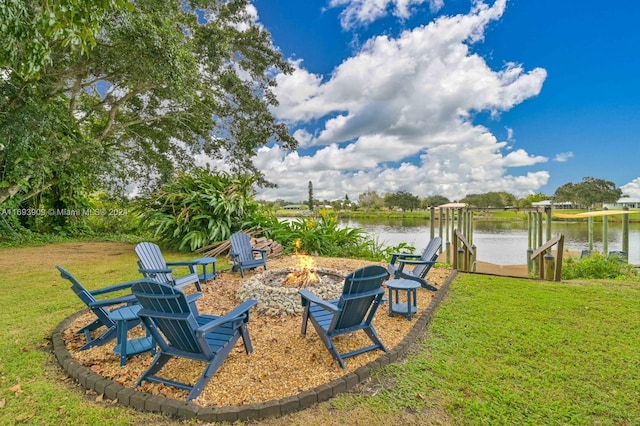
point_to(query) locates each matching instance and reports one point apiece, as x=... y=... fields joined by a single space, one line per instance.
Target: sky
x=453 y=97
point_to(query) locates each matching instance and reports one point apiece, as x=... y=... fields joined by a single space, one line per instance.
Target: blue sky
x=453 y=97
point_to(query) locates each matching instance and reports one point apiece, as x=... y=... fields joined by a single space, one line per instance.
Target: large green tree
x=589 y=192
x=434 y=201
x=370 y=200
x=402 y=199
x=165 y=80
x=31 y=30
x=490 y=199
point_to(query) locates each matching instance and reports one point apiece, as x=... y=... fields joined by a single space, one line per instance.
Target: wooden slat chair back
x=152 y=264
x=354 y=311
x=181 y=332
x=100 y=307
x=244 y=255
x=421 y=263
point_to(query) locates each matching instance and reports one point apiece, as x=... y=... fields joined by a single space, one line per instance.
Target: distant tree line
x=587 y=194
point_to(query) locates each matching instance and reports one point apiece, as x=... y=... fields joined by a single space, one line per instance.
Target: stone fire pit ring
x=277 y=300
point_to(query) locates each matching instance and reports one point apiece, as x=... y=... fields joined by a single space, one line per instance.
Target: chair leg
x=158 y=362
x=371 y=332
x=211 y=369
x=429 y=286
x=100 y=340
x=246 y=339
x=305 y=318
x=328 y=342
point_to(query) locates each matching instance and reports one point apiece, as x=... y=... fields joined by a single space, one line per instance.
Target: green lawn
x=505 y=351
x=499 y=351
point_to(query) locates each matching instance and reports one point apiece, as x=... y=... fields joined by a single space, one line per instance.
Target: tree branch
x=116 y=107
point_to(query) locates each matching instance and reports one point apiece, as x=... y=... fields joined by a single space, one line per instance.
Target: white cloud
x=510 y=137
x=303 y=137
x=632 y=189
x=563 y=157
x=362 y=12
x=398 y=115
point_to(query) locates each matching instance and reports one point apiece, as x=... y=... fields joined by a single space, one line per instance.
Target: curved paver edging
x=145 y=401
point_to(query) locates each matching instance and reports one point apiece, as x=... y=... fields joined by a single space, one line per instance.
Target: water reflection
x=500 y=242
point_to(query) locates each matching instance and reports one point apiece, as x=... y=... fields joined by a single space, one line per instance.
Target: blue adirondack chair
x=181 y=332
x=100 y=307
x=361 y=296
x=620 y=256
x=243 y=255
x=422 y=263
x=152 y=264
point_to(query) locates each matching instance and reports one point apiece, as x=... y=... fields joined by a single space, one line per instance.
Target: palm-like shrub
x=199 y=208
x=322 y=236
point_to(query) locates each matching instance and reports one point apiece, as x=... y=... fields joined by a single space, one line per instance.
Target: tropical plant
x=322 y=236
x=199 y=208
x=597 y=265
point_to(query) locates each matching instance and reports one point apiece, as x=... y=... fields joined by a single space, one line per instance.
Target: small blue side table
x=203 y=261
x=124 y=346
x=395 y=306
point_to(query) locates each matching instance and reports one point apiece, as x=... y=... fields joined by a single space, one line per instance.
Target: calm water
x=501 y=243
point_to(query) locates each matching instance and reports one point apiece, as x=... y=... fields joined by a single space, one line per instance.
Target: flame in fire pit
x=306 y=276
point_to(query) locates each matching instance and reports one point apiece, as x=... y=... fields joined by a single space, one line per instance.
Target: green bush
x=322 y=236
x=597 y=266
x=112 y=215
x=199 y=208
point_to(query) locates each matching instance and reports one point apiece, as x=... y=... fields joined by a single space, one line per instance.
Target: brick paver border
x=144 y=401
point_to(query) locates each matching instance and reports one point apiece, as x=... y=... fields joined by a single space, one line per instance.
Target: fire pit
x=277 y=290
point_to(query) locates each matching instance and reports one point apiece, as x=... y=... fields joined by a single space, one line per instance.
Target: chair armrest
x=308 y=297
x=261 y=252
x=184 y=263
x=186 y=280
x=418 y=262
x=179 y=263
x=404 y=262
x=155 y=271
x=193 y=297
x=162 y=315
x=108 y=302
x=363 y=294
x=239 y=312
x=115 y=287
x=397 y=256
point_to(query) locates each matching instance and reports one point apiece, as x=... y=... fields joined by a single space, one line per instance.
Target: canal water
x=500 y=242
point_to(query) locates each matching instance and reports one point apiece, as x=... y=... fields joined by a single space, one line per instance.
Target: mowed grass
x=498 y=351
x=34 y=299
x=505 y=351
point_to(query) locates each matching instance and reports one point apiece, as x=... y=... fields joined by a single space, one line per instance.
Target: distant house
x=295 y=207
x=453 y=206
x=564 y=205
x=630 y=202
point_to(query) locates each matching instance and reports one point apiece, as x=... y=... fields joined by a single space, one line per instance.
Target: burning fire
x=306 y=276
